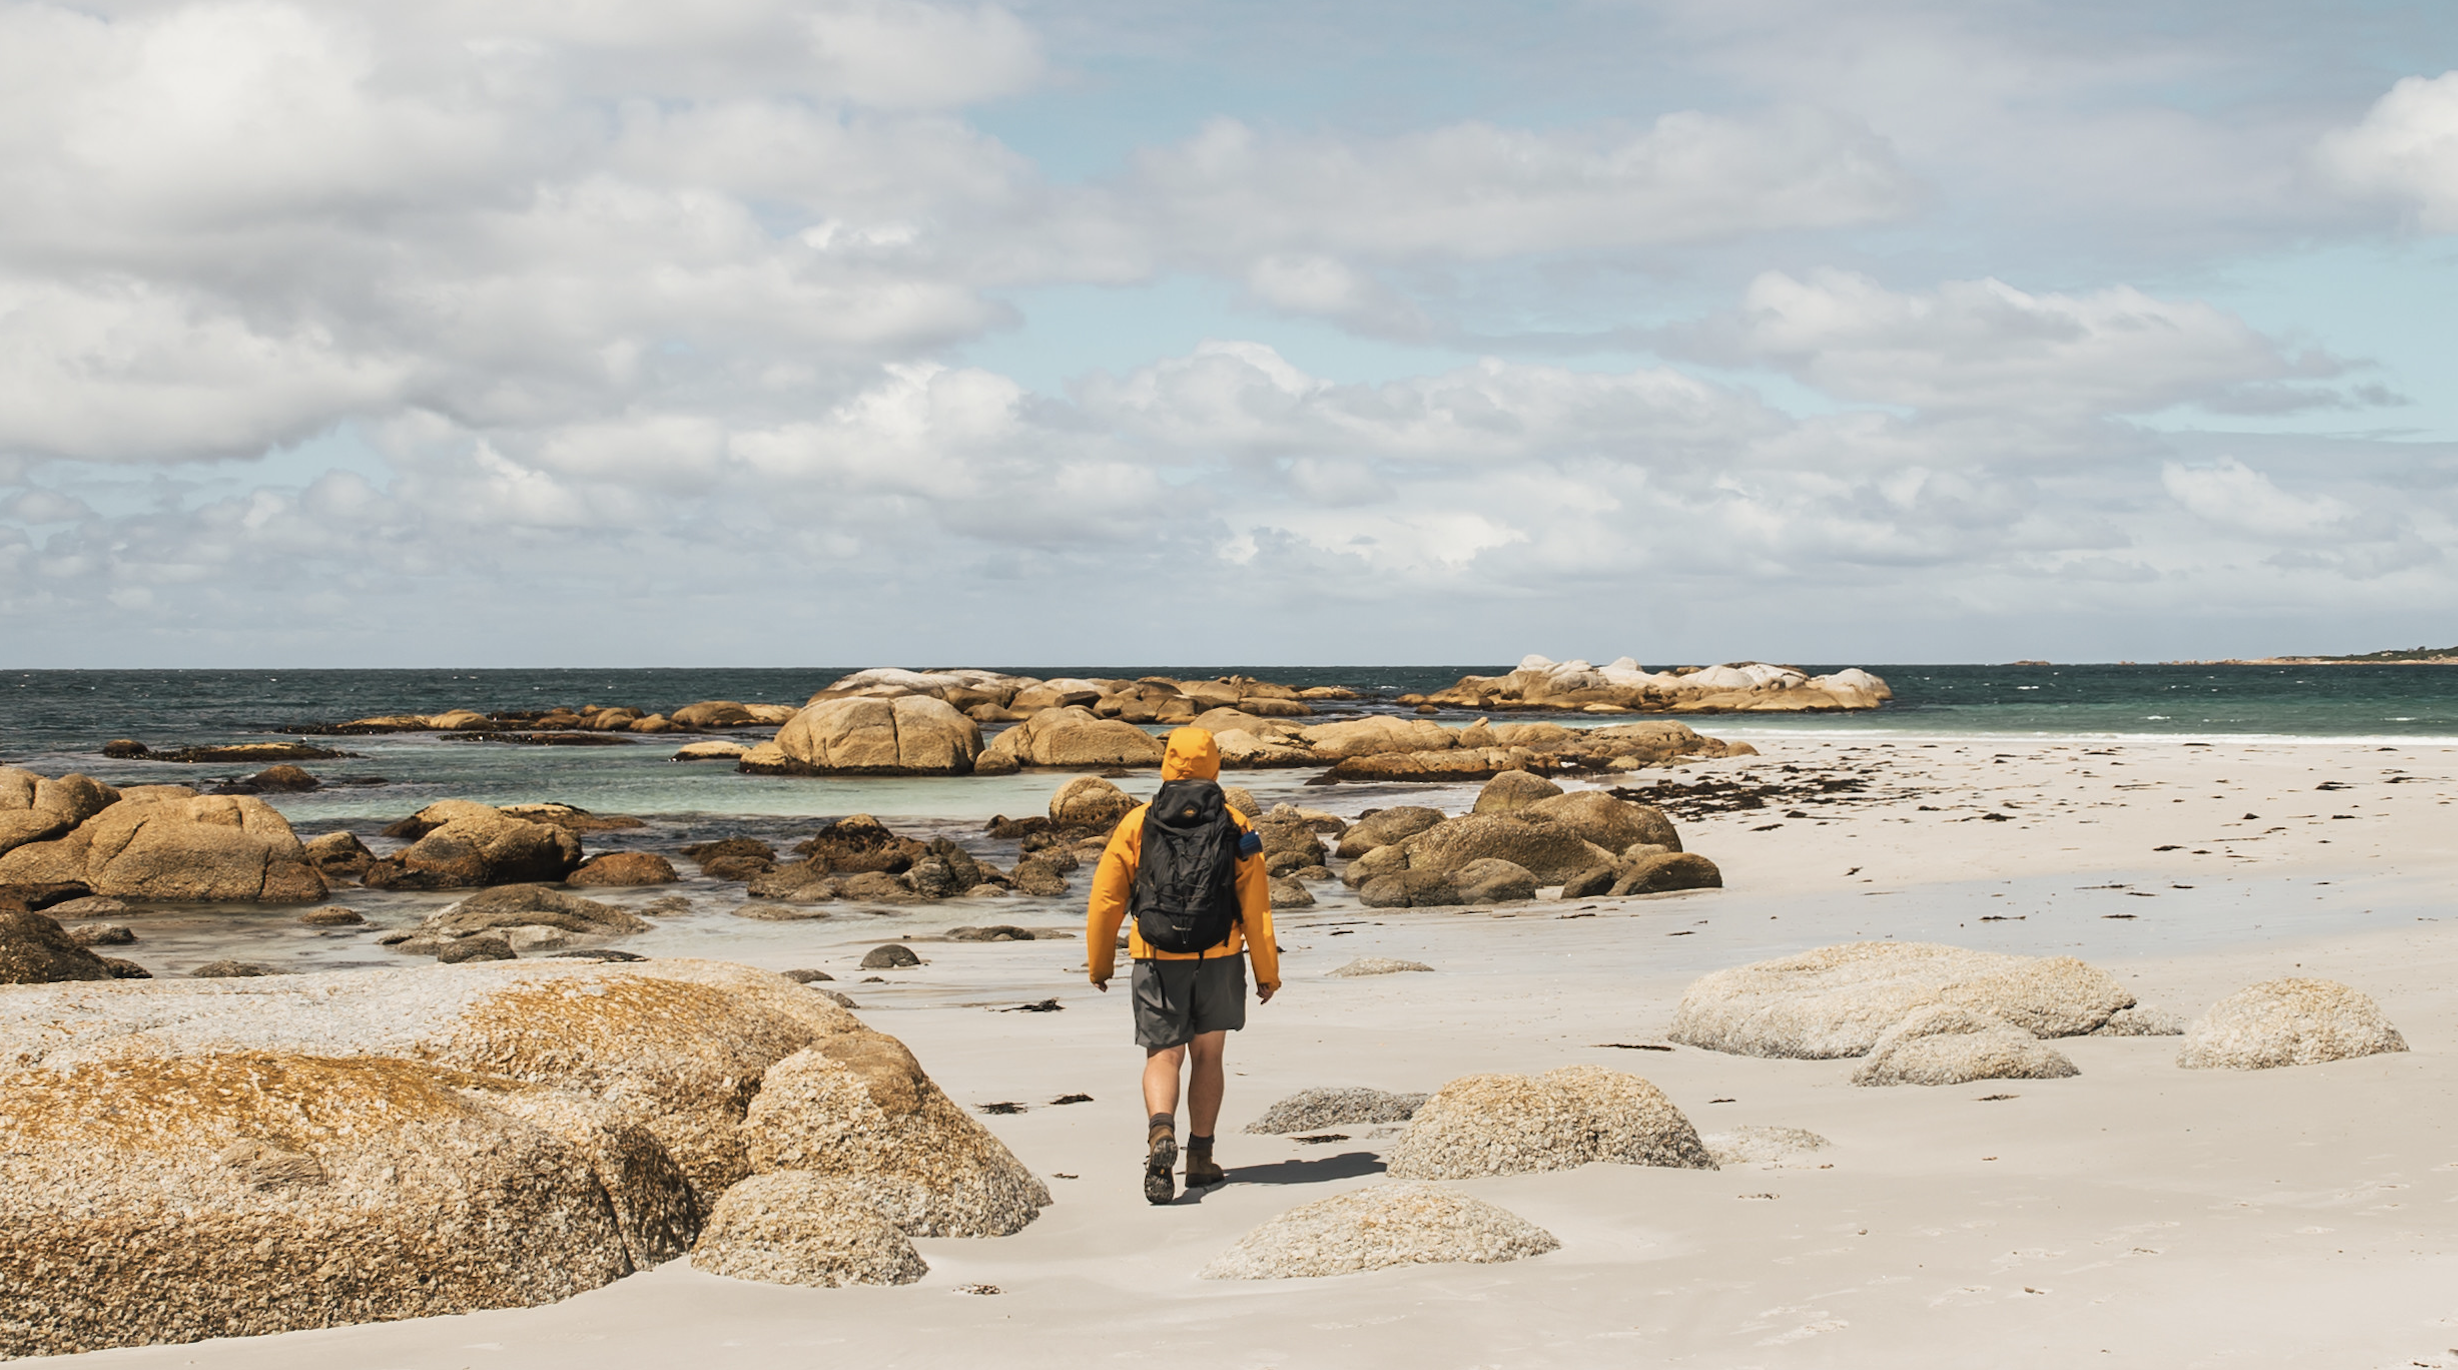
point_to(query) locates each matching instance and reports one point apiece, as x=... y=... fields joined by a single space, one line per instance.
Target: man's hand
x=1101 y=985
x=1264 y=993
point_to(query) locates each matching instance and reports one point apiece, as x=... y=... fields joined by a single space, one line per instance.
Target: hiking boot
x=1201 y=1171
x=1160 y=1157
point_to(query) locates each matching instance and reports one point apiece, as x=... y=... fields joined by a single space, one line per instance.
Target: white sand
x=2137 y=1215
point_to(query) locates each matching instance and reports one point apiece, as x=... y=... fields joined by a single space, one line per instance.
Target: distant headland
x=2409 y=656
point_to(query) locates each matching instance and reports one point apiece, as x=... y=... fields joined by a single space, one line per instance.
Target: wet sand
x=2136 y=1215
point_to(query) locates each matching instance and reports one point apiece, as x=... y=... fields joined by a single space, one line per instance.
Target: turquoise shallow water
x=58 y=720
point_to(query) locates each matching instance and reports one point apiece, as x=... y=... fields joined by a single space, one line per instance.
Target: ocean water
x=52 y=721
x=56 y=721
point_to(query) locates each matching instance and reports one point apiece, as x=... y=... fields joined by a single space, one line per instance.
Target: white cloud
x=2405 y=148
x=1974 y=347
x=1476 y=191
x=2236 y=497
x=126 y=369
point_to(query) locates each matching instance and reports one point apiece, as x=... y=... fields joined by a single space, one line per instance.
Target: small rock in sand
x=1836 y=1001
x=792 y=1227
x=1381 y=1225
x=332 y=918
x=2289 y=1022
x=102 y=935
x=893 y=956
x=1758 y=1145
x=997 y=932
x=1378 y=965
x=1311 y=1109
x=804 y=977
x=1947 y=1045
x=1517 y=1124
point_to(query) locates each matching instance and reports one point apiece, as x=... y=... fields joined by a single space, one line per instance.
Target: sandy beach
x=2136 y=1215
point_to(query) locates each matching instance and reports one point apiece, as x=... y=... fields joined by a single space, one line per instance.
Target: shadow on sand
x=1348 y=1165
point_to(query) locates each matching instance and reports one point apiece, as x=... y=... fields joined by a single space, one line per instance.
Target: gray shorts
x=1175 y=1000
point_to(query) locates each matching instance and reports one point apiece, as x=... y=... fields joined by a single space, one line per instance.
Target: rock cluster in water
x=1624 y=686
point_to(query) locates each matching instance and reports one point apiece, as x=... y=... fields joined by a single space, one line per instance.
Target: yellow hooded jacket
x=1191 y=755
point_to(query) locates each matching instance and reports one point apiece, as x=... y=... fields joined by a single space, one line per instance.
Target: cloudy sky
x=759 y=332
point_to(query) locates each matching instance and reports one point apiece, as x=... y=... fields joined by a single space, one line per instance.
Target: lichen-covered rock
x=637 y=1070
x=1088 y=801
x=857 y=1107
x=1375 y=735
x=1512 y=791
x=1409 y=889
x=2288 y=1022
x=461 y=845
x=222 y=848
x=1836 y=1001
x=510 y=906
x=231 y=969
x=1378 y=1226
x=339 y=856
x=1610 y=823
x=1493 y=881
x=1663 y=872
x=793 y=1227
x=1386 y=826
x=36 y=950
x=1449 y=765
x=911 y=735
x=1074 y=737
x=713 y=713
x=624 y=868
x=860 y=843
x=1943 y=1044
x=238 y=1193
x=1562 y=1119
x=35 y=808
x=1309 y=1109
x=1549 y=852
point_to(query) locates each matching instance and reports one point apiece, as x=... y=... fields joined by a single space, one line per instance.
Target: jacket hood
x=1191 y=755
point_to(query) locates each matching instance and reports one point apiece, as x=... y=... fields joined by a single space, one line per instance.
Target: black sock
x=1198 y=1143
x=1167 y=1120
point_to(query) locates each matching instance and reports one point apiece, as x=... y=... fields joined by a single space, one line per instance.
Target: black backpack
x=1185 y=897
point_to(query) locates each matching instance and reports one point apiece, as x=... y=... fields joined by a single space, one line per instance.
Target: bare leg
x=1205 y=1083
x=1161 y=1079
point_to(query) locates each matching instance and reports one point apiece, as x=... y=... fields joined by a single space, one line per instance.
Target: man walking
x=1189 y=869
